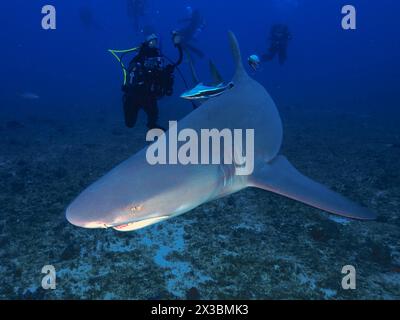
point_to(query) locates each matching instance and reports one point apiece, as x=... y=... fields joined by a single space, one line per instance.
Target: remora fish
x=136 y=194
x=202 y=91
x=217 y=78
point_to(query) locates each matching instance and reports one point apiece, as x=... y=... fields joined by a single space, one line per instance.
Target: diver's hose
x=119 y=58
x=179 y=71
x=183 y=79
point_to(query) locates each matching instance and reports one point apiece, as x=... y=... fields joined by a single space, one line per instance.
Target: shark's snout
x=77 y=219
x=81 y=213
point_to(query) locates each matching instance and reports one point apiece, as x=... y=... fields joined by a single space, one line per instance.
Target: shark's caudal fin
x=240 y=72
x=279 y=176
x=217 y=78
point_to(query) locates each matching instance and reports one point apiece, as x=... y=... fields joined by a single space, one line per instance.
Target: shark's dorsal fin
x=240 y=72
x=217 y=78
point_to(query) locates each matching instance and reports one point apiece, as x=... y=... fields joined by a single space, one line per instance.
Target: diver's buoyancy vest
x=148 y=72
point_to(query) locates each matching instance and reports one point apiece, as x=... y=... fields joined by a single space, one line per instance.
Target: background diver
x=149 y=79
x=279 y=39
x=195 y=25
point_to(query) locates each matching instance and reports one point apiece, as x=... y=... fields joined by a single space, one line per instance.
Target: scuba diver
x=149 y=78
x=195 y=25
x=279 y=38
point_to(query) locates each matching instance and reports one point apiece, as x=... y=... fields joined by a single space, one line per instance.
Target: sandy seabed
x=250 y=245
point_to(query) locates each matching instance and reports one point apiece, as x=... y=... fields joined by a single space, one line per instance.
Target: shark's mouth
x=131 y=226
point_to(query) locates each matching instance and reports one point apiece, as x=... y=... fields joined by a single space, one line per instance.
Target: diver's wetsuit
x=280 y=37
x=148 y=80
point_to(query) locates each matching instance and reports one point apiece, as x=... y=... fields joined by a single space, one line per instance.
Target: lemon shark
x=204 y=92
x=136 y=194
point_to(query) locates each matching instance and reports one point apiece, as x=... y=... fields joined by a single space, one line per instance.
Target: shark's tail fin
x=281 y=177
x=237 y=56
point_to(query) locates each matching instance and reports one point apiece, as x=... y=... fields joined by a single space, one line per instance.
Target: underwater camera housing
x=167 y=80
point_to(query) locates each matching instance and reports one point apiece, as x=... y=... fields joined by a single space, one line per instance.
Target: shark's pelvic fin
x=217 y=78
x=279 y=176
x=237 y=56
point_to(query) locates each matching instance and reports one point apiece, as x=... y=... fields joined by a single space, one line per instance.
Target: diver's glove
x=124 y=88
x=176 y=38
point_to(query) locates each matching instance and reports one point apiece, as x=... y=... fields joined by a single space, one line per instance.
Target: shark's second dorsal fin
x=240 y=72
x=217 y=78
x=195 y=77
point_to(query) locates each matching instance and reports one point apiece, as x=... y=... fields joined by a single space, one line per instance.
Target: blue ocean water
x=62 y=127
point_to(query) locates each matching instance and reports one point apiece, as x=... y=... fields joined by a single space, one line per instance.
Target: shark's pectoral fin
x=279 y=176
